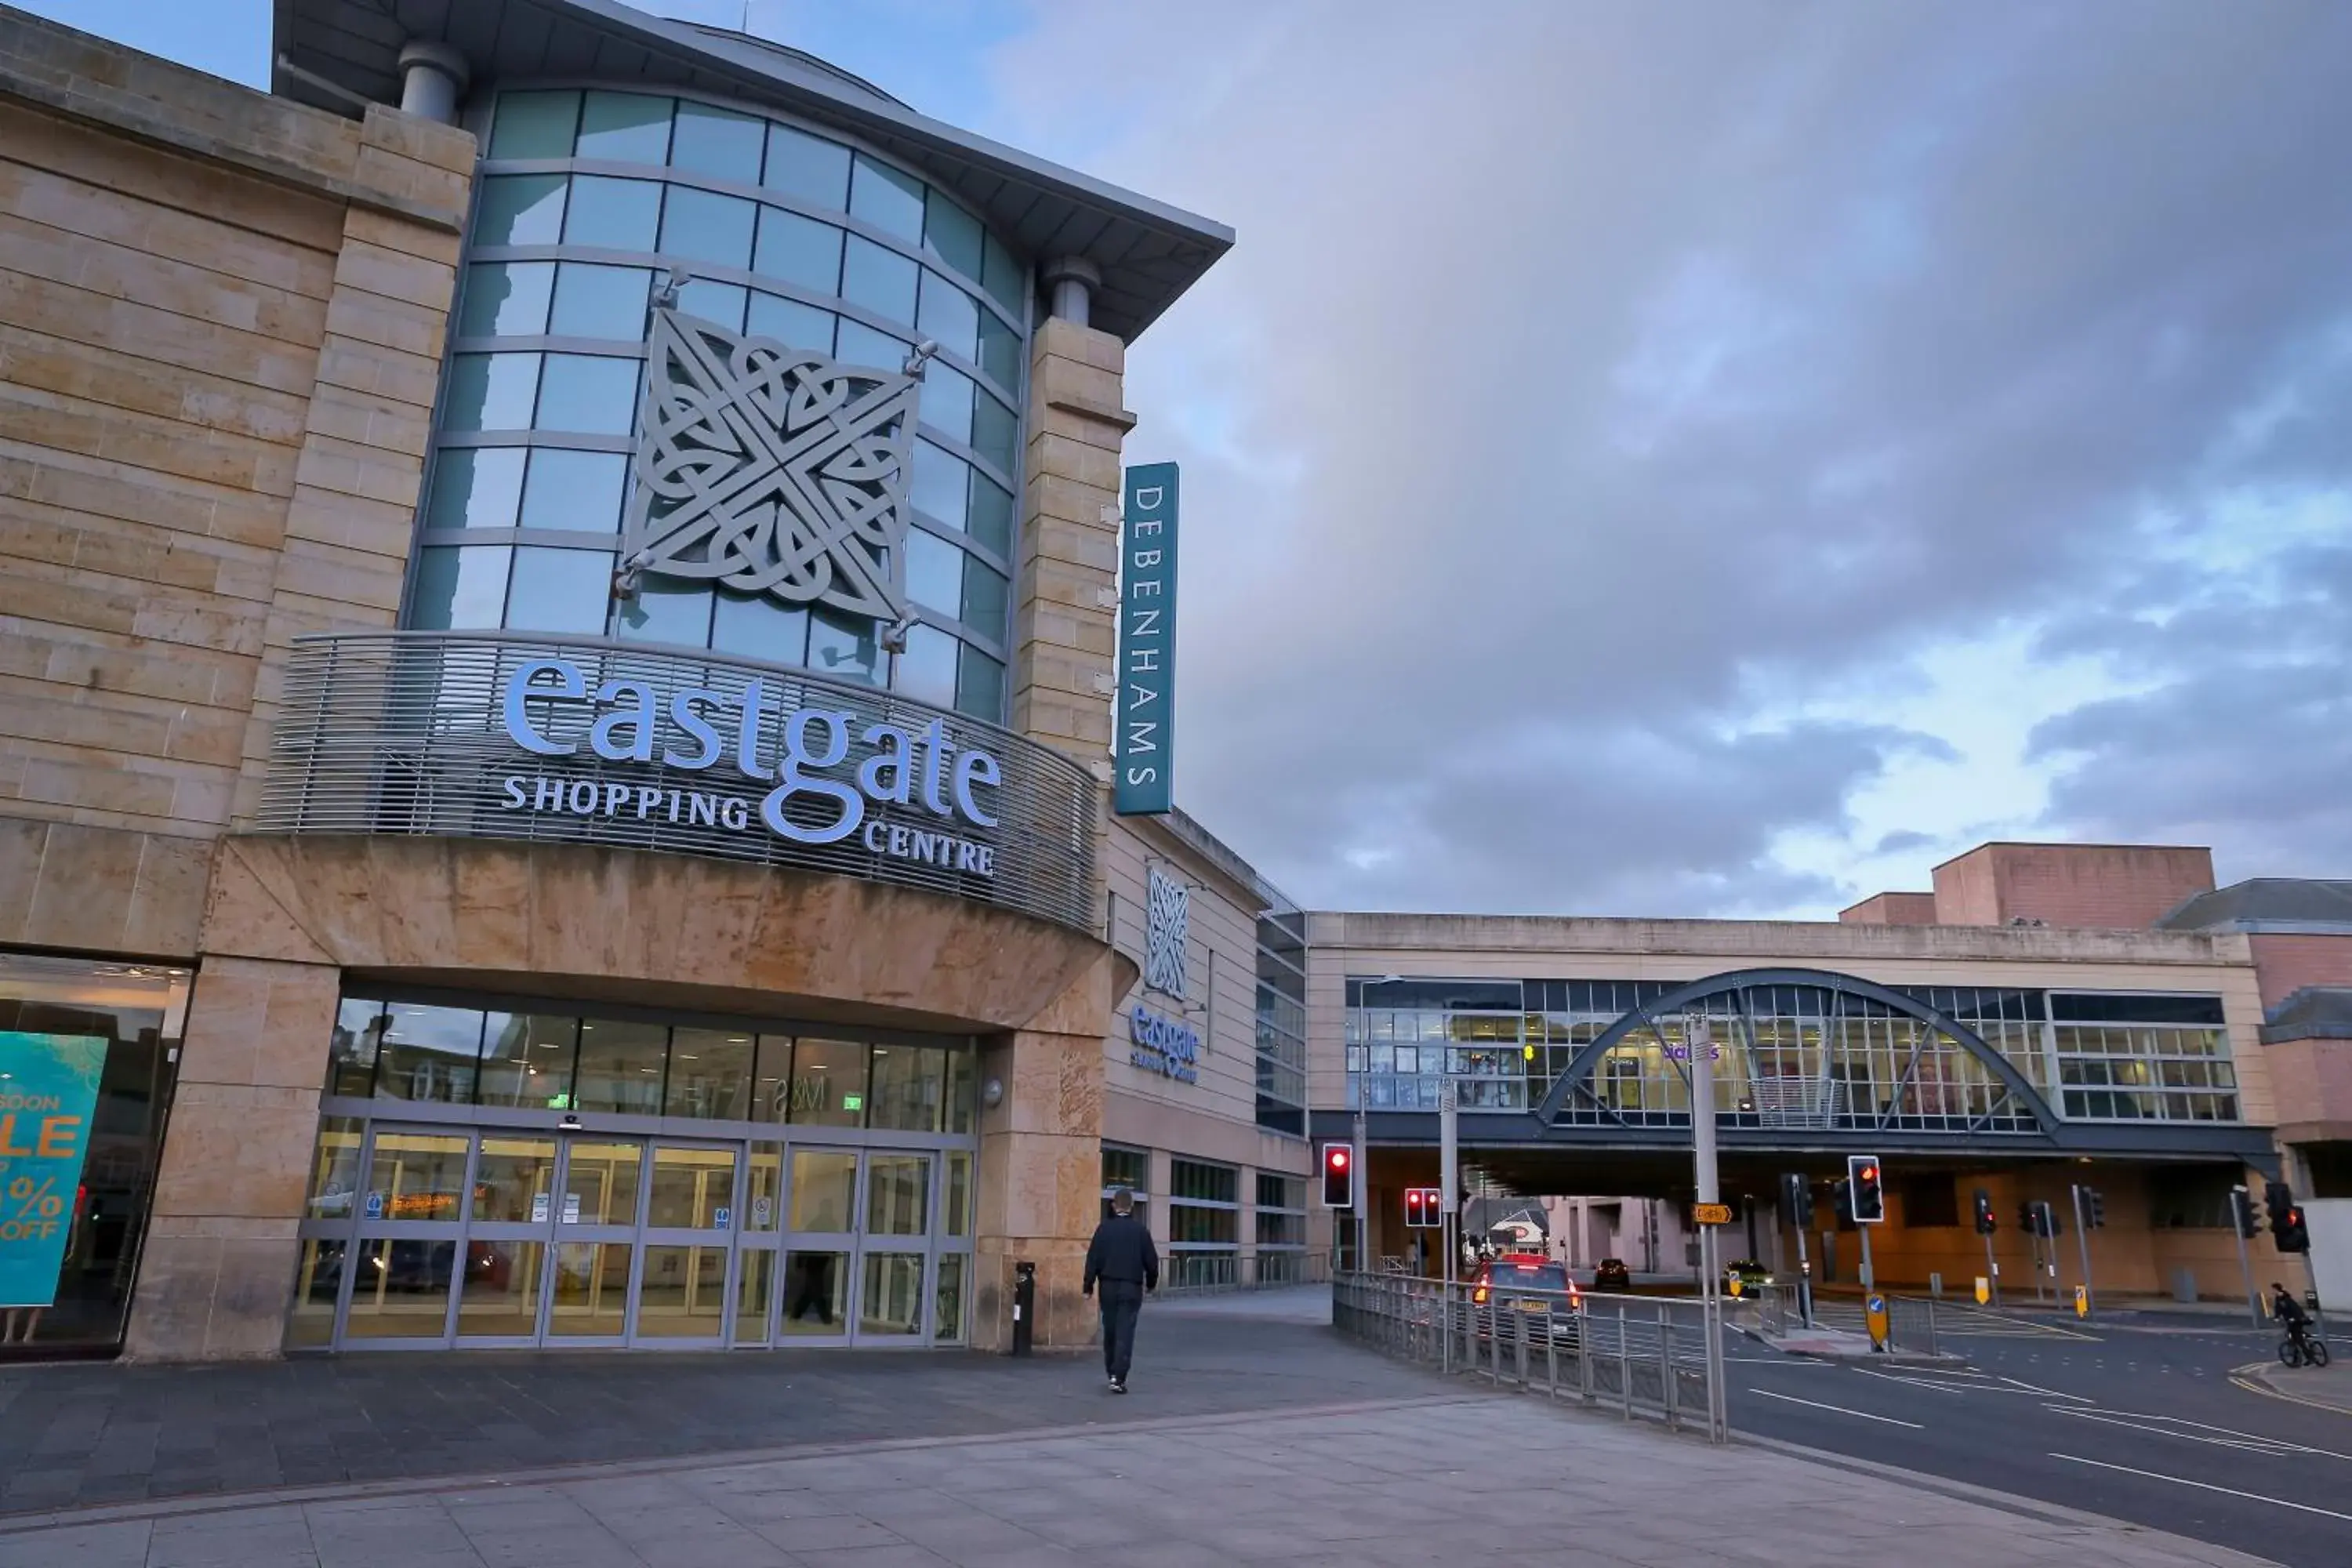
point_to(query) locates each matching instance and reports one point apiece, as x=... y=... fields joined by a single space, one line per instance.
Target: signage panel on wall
x=48 y=1089
x=493 y=735
x=1143 y=735
x=1162 y=1045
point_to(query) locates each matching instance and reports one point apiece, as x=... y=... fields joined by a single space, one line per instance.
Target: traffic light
x=2095 y=1209
x=2246 y=1211
x=1862 y=1176
x=1986 y=1224
x=2045 y=1220
x=1339 y=1176
x=2288 y=1229
x=1797 y=1199
x=1422 y=1208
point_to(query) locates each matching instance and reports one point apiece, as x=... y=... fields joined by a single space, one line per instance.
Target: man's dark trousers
x=1122 y=1301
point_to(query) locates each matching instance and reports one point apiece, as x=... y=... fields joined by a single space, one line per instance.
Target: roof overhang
x=337 y=55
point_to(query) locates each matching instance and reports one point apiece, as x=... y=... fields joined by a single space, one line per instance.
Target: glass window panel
x=1006 y=281
x=927 y=670
x=1000 y=351
x=717 y=142
x=534 y=125
x=476 y=487
x=938 y=487
x=844 y=647
x=980 y=685
x=957 y=1198
x=709 y=1074
x=334 y=1169
x=887 y=199
x=627 y=127
x=992 y=515
x=823 y=1190
x=416 y=1176
x=664 y=609
x=951 y=315
x=506 y=299
x=600 y=1183
x=490 y=392
x=598 y=302
x=790 y=322
x=560 y=590
x=500 y=1297
x=764 y=1188
x=801 y=166
x=897 y=1194
x=881 y=280
x=613 y=214
x=351 y=1051
x=909 y=1088
x=318 y=1282
x=952 y=234
x=719 y=303
x=693 y=1187
x=459 y=587
x=946 y=1297
x=527 y=1060
x=828 y=1083
x=590 y=1296
x=891 y=1301
x=402 y=1290
x=513 y=1180
x=934 y=571
x=683 y=1292
x=799 y=250
x=621 y=1067
x=861 y=344
x=708 y=227
x=995 y=434
x=588 y=394
x=573 y=490
x=945 y=401
x=758 y=626
x=429 y=1053
x=963 y=1090
x=816 y=1286
x=520 y=209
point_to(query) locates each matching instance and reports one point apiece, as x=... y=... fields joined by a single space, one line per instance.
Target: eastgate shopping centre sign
x=502 y=736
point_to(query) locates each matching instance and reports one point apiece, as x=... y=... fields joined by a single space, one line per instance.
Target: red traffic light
x=1337 y=1159
x=1870 y=1172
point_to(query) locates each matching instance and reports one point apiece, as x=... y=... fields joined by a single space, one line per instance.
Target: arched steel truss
x=1573 y=1086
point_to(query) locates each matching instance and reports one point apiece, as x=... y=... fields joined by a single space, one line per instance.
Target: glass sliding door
x=820 y=1245
x=895 y=1246
x=688 y=1238
x=411 y=1227
x=599 y=1200
x=510 y=1221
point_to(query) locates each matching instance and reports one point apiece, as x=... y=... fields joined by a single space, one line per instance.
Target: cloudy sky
x=1707 y=459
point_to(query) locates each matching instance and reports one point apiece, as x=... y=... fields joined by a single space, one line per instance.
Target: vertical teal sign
x=48 y=1088
x=1143 y=741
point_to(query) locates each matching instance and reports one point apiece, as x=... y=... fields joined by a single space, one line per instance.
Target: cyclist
x=2289 y=1315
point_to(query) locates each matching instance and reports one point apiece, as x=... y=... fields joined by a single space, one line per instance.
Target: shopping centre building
x=558 y=601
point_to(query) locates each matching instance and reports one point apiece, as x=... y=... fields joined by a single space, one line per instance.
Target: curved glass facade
x=587 y=200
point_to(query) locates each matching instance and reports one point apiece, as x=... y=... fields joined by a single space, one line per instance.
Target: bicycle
x=2302 y=1348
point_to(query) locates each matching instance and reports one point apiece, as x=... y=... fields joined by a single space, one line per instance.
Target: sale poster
x=48 y=1089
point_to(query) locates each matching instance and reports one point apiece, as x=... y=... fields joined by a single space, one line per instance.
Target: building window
x=2141 y=1058
x=1129 y=1168
x=784 y=234
x=2190 y=1199
x=1281 y=1045
x=1281 y=1210
x=1203 y=1223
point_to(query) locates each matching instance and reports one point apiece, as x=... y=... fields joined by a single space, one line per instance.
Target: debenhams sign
x=492 y=735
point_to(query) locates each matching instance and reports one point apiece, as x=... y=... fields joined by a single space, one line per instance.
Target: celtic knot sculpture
x=771 y=470
x=1167 y=922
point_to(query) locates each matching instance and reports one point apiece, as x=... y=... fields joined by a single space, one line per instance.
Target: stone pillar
x=1040 y=1165
x=1066 y=619
x=218 y=1266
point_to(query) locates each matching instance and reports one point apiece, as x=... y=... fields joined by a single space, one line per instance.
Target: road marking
x=1914 y=1382
x=2051 y=1392
x=1840 y=1409
x=2155 y=1426
x=2203 y=1486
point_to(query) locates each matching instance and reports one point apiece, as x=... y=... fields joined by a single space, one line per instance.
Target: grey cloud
x=1582 y=370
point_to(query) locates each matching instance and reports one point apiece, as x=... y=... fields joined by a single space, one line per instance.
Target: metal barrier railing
x=1774 y=1312
x=1212 y=1273
x=1642 y=1355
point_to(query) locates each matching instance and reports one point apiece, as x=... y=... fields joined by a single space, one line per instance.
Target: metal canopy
x=337 y=53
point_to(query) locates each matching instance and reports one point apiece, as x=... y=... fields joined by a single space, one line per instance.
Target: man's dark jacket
x=1122 y=1252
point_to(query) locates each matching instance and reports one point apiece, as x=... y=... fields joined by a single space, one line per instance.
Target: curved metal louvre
x=403 y=732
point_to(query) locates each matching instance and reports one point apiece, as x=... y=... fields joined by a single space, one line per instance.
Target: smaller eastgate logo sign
x=1163 y=1046
x=699 y=729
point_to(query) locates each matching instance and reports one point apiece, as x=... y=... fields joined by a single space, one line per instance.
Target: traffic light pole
x=1992 y=1271
x=2242 y=1209
x=1450 y=1196
x=1359 y=1187
x=1702 y=1083
x=2082 y=1245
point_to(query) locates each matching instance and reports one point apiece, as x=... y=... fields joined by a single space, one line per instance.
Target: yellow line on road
x=2254 y=1385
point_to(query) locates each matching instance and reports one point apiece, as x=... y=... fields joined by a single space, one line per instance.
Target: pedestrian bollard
x=1024 y=1307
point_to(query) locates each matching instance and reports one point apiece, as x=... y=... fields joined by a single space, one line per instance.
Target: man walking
x=1123 y=1261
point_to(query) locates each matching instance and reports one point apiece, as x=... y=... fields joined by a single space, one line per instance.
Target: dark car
x=1612 y=1275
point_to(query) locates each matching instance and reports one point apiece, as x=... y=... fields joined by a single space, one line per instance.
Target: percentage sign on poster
x=35 y=1200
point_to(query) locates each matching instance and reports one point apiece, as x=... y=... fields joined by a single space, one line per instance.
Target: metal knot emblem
x=771 y=470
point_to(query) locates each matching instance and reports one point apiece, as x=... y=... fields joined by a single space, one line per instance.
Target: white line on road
x=2203 y=1486
x=2052 y=1393
x=2229 y=1437
x=1840 y=1409
x=1914 y=1382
